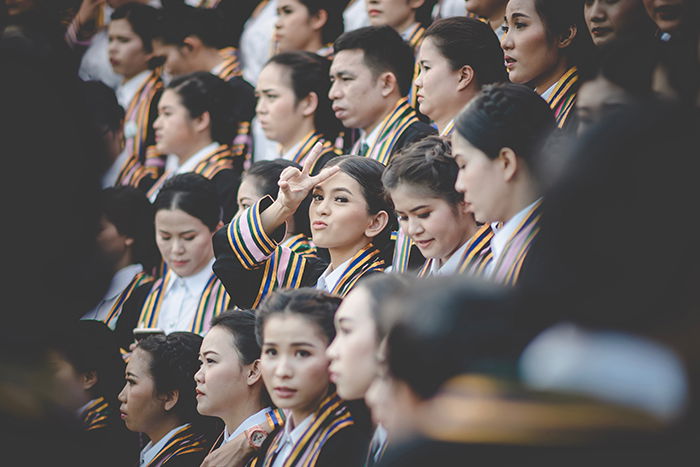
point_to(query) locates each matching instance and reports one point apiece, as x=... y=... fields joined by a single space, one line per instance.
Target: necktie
x=364 y=148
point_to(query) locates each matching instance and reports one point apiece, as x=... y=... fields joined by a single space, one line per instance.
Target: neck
x=300 y=413
x=546 y=81
x=315 y=44
x=341 y=255
x=124 y=261
x=130 y=77
x=407 y=23
x=200 y=143
x=166 y=425
x=523 y=195
x=389 y=106
x=241 y=411
x=209 y=59
x=303 y=129
x=470 y=228
x=496 y=19
x=462 y=98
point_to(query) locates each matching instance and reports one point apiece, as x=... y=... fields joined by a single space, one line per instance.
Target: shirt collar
x=256 y=419
x=121 y=280
x=451 y=265
x=194 y=283
x=150 y=451
x=373 y=135
x=329 y=279
x=291 y=433
x=197 y=157
x=290 y=154
x=127 y=90
x=548 y=93
x=406 y=34
x=502 y=235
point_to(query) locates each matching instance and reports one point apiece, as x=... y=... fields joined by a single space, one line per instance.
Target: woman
x=498 y=137
x=293 y=106
x=197 y=120
x=458 y=56
x=421 y=184
x=349 y=217
x=360 y=328
x=307 y=25
x=545 y=44
x=295 y=328
x=229 y=384
x=609 y=21
x=188 y=295
x=158 y=400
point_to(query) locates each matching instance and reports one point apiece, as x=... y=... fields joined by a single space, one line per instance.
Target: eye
x=302 y=353
x=504 y=28
x=519 y=25
x=340 y=199
x=403 y=218
x=270 y=352
x=165 y=238
x=424 y=215
x=189 y=238
x=317 y=197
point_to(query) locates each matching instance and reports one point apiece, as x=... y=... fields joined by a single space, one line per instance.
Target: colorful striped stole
x=301 y=244
x=365 y=261
x=509 y=264
x=113 y=315
x=391 y=129
x=331 y=417
x=449 y=129
x=308 y=143
x=212 y=302
x=472 y=257
x=326 y=51
x=402 y=252
x=208 y=3
x=275 y=418
x=184 y=441
x=96 y=415
x=231 y=66
x=563 y=98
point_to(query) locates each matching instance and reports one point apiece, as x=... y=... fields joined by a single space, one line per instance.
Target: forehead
x=340 y=180
x=598 y=92
x=407 y=196
x=287 y=328
x=139 y=363
x=121 y=26
x=170 y=98
x=273 y=76
x=217 y=339
x=356 y=306
x=352 y=60
x=292 y=3
x=461 y=147
x=249 y=187
x=428 y=49
x=176 y=220
x=526 y=7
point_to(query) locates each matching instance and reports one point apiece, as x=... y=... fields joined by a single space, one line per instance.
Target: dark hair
x=131 y=213
x=560 y=15
x=314 y=305
x=383 y=289
x=90 y=345
x=368 y=174
x=626 y=64
x=174 y=362
x=192 y=193
x=384 y=50
x=203 y=92
x=142 y=19
x=468 y=41
x=102 y=105
x=469 y=329
x=334 y=26
x=176 y=23
x=427 y=164
x=308 y=73
x=506 y=115
x=267 y=173
x=424 y=13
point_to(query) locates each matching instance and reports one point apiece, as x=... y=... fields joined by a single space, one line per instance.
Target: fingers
x=312 y=157
x=325 y=174
x=289 y=173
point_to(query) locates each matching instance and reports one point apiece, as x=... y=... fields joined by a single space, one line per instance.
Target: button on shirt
x=329 y=279
x=120 y=281
x=290 y=437
x=181 y=299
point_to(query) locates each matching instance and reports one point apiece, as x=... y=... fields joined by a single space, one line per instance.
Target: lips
x=284 y=392
x=601 y=31
x=198 y=393
x=179 y=264
x=374 y=12
x=113 y=62
x=318 y=225
x=333 y=377
x=422 y=244
x=509 y=61
x=340 y=112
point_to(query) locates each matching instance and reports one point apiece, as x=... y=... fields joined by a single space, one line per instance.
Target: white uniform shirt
x=149 y=451
x=120 y=281
x=329 y=279
x=501 y=236
x=259 y=418
x=290 y=438
x=181 y=298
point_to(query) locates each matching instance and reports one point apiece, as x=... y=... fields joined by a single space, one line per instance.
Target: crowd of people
x=350 y=233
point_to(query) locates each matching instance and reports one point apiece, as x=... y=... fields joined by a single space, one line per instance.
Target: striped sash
x=365 y=261
x=275 y=418
x=473 y=257
x=212 y=302
x=301 y=244
x=563 y=97
x=331 y=417
x=184 y=441
x=96 y=415
x=414 y=36
x=391 y=129
x=507 y=268
x=449 y=129
x=309 y=142
x=231 y=66
x=402 y=252
x=113 y=315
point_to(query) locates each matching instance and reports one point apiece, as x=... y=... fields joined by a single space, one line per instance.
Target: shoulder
x=414 y=132
x=346 y=447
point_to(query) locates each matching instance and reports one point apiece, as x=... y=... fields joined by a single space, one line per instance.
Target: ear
x=170 y=400
x=566 y=39
x=254 y=373
x=387 y=83
x=309 y=104
x=318 y=20
x=88 y=380
x=128 y=241
x=202 y=123
x=466 y=77
x=377 y=224
x=508 y=162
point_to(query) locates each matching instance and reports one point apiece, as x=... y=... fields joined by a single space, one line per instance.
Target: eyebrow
x=344 y=73
x=517 y=15
x=128 y=373
x=208 y=352
x=178 y=233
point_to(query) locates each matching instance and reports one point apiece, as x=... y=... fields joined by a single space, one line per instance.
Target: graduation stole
x=275 y=418
x=231 y=65
x=402 y=251
x=331 y=417
x=563 y=97
x=212 y=302
x=365 y=261
x=507 y=269
x=391 y=129
x=113 y=315
x=300 y=244
x=184 y=441
x=96 y=415
x=473 y=255
x=449 y=129
x=326 y=51
x=139 y=112
x=208 y=3
x=309 y=142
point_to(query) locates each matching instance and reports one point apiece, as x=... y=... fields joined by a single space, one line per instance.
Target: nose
x=178 y=246
x=157 y=123
x=597 y=12
x=414 y=227
x=334 y=91
x=323 y=207
x=459 y=184
x=419 y=79
x=331 y=351
x=283 y=368
x=506 y=41
x=260 y=107
x=199 y=376
x=122 y=395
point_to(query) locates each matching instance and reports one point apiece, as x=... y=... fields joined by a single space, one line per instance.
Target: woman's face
x=353 y=352
x=437 y=83
x=667 y=14
x=480 y=180
x=141 y=408
x=294 y=364
x=596 y=98
x=184 y=241
x=399 y=14
x=338 y=214
x=295 y=28
x=248 y=193
x=608 y=19
x=222 y=379
x=277 y=110
x=530 y=56
x=485 y=8
x=126 y=49
x=175 y=128
x=111 y=243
